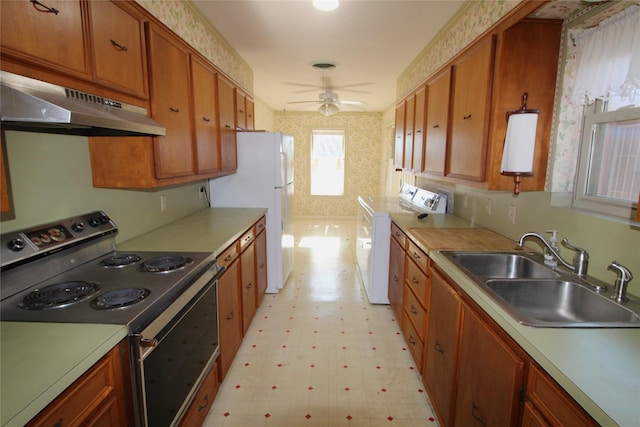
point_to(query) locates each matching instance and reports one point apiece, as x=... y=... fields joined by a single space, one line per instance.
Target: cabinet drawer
x=398 y=235
x=419 y=257
x=201 y=403
x=416 y=313
x=229 y=254
x=260 y=225
x=246 y=239
x=418 y=281
x=552 y=402
x=415 y=344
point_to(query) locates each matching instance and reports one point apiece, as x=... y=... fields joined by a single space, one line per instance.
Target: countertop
x=38 y=361
x=599 y=368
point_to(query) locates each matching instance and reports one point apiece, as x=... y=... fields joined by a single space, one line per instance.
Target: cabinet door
x=396 y=278
x=118 y=48
x=248 y=280
x=49 y=34
x=417 y=159
x=470 y=113
x=490 y=376
x=398 y=145
x=205 y=117
x=441 y=349
x=226 y=115
x=251 y=124
x=170 y=88
x=229 y=316
x=261 y=266
x=410 y=106
x=437 y=124
x=241 y=110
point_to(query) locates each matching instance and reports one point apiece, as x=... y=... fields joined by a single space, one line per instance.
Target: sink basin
x=506 y=265
x=560 y=303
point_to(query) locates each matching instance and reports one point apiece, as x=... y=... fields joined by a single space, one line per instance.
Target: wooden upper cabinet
x=526 y=61
x=205 y=114
x=119 y=58
x=470 y=112
x=241 y=110
x=251 y=120
x=490 y=376
x=410 y=107
x=49 y=34
x=437 y=124
x=170 y=106
x=417 y=159
x=398 y=145
x=227 y=120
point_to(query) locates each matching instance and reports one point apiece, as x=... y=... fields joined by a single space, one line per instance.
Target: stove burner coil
x=119 y=298
x=58 y=295
x=163 y=264
x=120 y=260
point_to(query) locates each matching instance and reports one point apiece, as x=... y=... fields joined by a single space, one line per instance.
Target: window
x=608 y=79
x=327 y=163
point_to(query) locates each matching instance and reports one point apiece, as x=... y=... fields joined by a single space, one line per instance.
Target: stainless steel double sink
x=537 y=295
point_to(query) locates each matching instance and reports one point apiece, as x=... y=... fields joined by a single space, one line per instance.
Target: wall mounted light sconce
x=519 y=144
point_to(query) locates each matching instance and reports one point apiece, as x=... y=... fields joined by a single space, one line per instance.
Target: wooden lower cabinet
x=441 y=347
x=261 y=266
x=229 y=316
x=98 y=398
x=490 y=376
x=248 y=285
x=396 y=272
x=201 y=403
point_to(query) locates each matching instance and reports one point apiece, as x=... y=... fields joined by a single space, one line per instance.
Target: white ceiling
x=371 y=42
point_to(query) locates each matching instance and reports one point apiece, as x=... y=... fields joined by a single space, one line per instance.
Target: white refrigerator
x=264 y=179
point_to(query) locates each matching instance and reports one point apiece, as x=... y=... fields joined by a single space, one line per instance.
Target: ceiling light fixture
x=328 y=109
x=326 y=5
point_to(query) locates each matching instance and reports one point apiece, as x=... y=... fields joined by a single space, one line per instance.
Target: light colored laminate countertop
x=598 y=367
x=38 y=361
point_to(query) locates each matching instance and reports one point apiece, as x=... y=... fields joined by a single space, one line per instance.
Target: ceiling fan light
x=328 y=109
x=326 y=5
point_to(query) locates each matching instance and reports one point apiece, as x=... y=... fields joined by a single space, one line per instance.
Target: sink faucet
x=580 y=259
x=623 y=279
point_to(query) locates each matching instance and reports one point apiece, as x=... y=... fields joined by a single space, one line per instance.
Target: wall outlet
x=163 y=203
x=487 y=205
x=512 y=214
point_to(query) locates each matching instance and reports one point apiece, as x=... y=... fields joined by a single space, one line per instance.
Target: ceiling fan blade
x=305 y=102
x=353 y=103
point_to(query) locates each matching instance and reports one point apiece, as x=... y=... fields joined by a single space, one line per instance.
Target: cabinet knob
x=43 y=8
x=119 y=46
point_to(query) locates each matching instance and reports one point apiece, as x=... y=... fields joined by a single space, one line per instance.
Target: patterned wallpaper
x=363 y=160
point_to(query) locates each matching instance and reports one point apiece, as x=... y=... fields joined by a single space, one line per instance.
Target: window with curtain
x=327 y=162
x=607 y=82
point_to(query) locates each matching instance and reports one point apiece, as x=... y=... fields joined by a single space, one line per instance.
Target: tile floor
x=318 y=354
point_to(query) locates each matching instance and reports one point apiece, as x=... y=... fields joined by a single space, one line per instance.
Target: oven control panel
x=42 y=239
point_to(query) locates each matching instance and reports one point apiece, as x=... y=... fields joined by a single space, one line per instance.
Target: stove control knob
x=16 y=245
x=148 y=342
x=94 y=222
x=78 y=227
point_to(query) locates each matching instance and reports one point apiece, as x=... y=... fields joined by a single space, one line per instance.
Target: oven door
x=175 y=352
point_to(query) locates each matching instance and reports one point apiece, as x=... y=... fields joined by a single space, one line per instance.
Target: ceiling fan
x=330 y=103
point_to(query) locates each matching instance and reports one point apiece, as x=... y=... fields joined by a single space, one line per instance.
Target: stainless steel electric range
x=69 y=271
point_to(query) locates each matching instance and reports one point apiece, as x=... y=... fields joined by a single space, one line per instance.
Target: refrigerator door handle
x=283 y=170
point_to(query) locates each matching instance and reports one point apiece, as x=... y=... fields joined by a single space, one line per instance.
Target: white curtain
x=608 y=58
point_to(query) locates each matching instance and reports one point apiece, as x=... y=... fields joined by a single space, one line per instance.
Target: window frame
x=329 y=131
x=581 y=200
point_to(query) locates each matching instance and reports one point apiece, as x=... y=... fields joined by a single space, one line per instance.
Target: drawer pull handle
x=228 y=126
x=43 y=8
x=416 y=255
x=467 y=117
x=205 y=404
x=414 y=280
x=174 y=110
x=439 y=348
x=206 y=119
x=436 y=126
x=413 y=310
x=477 y=417
x=119 y=46
x=228 y=258
x=230 y=316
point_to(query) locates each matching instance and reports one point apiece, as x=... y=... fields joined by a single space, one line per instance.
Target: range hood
x=35 y=106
